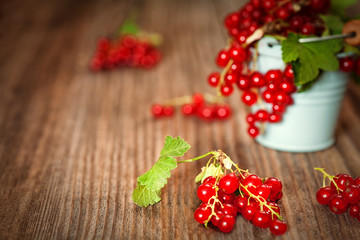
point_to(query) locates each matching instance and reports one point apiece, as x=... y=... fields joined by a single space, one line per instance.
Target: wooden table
x=73 y=141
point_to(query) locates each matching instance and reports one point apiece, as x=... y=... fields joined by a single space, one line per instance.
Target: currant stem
x=197 y=158
x=330 y=177
x=222 y=76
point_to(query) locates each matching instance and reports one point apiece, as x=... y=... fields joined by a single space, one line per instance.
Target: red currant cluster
x=342 y=195
x=225 y=196
x=277 y=17
x=350 y=64
x=128 y=50
x=204 y=107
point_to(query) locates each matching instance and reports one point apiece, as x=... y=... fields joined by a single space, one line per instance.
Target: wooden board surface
x=73 y=142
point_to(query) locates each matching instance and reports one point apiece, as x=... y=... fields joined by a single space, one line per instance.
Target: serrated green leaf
x=333 y=24
x=157 y=176
x=144 y=196
x=211 y=170
x=309 y=58
x=174 y=147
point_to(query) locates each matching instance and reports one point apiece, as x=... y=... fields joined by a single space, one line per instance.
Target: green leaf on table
x=144 y=196
x=208 y=171
x=334 y=24
x=150 y=183
x=339 y=7
x=310 y=58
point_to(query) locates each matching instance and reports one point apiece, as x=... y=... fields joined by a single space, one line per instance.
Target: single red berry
x=324 y=194
x=251 y=182
x=232 y=20
x=308 y=29
x=226 y=90
x=242 y=36
x=280 y=96
x=273 y=76
x=263 y=191
x=274 y=118
x=268 y=96
x=198 y=99
x=157 y=110
x=222 y=58
x=268 y=18
x=249 y=210
x=225 y=198
x=319 y=5
x=338 y=204
x=354 y=210
x=268 y=4
x=346 y=64
x=275 y=197
x=352 y=193
x=214 y=79
x=278 y=227
x=229 y=183
x=250 y=118
x=202 y=214
x=272 y=86
x=287 y=86
x=249 y=98
x=206 y=113
x=253 y=26
x=188 y=109
x=275 y=184
x=223 y=111
x=243 y=82
x=262 y=115
x=288 y=72
x=236 y=67
x=237 y=54
x=279 y=108
x=205 y=192
x=168 y=111
x=257 y=80
x=342 y=181
x=230 y=78
x=229 y=209
x=240 y=202
x=261 y=219
x=283 y=13
x=296 y=22
x=253 y=131
x=226 y=223
x=274 y=207
x=211 y=180
x=357 y=181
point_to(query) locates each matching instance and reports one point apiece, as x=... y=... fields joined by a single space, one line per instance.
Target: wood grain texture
x=73 y=142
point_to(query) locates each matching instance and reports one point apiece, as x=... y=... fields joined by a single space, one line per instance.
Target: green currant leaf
x=144 y=196
x=174 y=147
x=129 y=27
x=334 y=24
x=308 y=59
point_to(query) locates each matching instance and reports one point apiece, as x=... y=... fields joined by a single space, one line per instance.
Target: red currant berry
x=279 y=108
x=237 y=54
x=346 y=64
x=275 y=197
x=229 y=209
x=188 y=109
x=249 y=210
x=230 y=78
x=352 y=193
x=275 y=184
x=253 y=131
x=357 y=181
x=274 y=207
x=223 y=112
x=324 y=194
x=257 y=80
x=240 y=202
x=269 y=18
x=338 y=204
x=319 y=5
x=296 y=22
x=229 y=183
x=287 y=86
x=225 y=198
x=205 y=192
x=226 y=223
x=168 y=111
x=236 y=67
x=288 y=72
x=278 y=227
x=226 y=90
x=157 y=110
x=243 y=82
x=249 y=98
x=232 y=20
x=250 y=118
x=274 y=118
x=282 y=13
x=251 y=182
x=198 y=99
x=308 y=29
x=263 y=191
x=267 y=96
x=242 y=36
x=222 y=58
x=280 y=96
x=262 y=115
x=261 y=219
x=268 y=4
x=354 y=210
x=342 y=181
x=211 y=180
x=202 y=214
x=215 y=219
x=273 y=76
x=214 y=79
x=206 y=113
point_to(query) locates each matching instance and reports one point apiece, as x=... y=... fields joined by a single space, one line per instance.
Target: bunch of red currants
x=342 y=195
x=128 y=50
x=195 y=105
x=223 y=198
